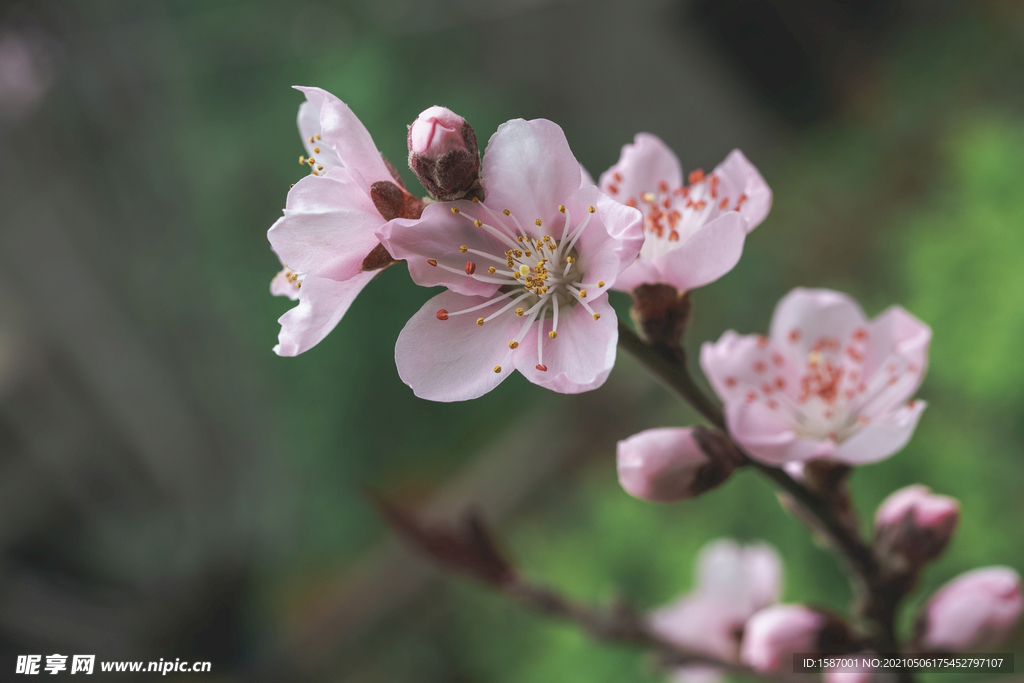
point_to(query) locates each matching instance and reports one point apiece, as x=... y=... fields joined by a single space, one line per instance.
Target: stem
x=876 y=599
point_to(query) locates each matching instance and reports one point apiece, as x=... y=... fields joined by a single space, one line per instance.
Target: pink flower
x=774 y=634
x=733 y=582
x=443 y=154
x=974 y=611
x=326 y=236
x=826 y=383
x=694 y=233
x=666 y=465
x=527 y=272
x=913 y=526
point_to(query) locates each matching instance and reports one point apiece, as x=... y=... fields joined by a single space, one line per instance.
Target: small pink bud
x=913 y=526
x=773 y=635
x=443 y=154
x=669 y=464
x=974 y=611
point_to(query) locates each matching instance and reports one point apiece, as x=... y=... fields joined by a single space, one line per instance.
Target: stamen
x=442 y=314
x=470 y=267
x=432 y=262
x=497 y=368
x=463 y=249
x=480 y=322
x=513 y=344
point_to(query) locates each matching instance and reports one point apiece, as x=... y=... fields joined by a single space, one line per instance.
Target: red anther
x=910 y=404
x=714 y=186
x=699 y=206
x=854 y=354
x=683 y=191
x=862 y=387
x=777 y=360
x=773 y=404
x=673 y=218
x=432 y=262
x=730 y=381
x=911 y=368
x=860 y=334
x=780 y=383
x=762 y=341
x=542 y=368
x=893 y=380
x=759 y=366
x=725 y=204
x=696 y=176
x=794 y=335
x=751 y=396
x=663 y=187
x=667 y=202
x=470 y=267
x=739 y=202
x=631 y=202
x=618 y=177
x=614 y=189
x=442 y=314
x=689 y=202
x=673 y=236
x=766 y=388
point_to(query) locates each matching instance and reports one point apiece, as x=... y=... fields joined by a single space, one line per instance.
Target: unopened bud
x=773 y=635
x=443 y=154
x=670 y=464
x=975 y=611
x=913 y=526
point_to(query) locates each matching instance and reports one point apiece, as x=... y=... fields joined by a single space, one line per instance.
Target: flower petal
x=438 y=235
x=766 y=435
x=282 y=286
x=582 y=355
x=327 y=228
x=529 y=169
x=642 y=167
x=612 y=238
x=897 y=332
x=805 y=316
x=322 y=303
x=738 y=176
x=343 y=132
x=882 y=437
x=454 y=359
x=705 y=256
x=660 y=465
x=309 y=127
x=747 y=578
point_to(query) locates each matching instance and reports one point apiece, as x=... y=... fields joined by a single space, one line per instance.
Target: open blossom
x=733 y=582
x=826 y=382
x=326 y=236
x=527 y=272
x=975 y=611
x=694 y=233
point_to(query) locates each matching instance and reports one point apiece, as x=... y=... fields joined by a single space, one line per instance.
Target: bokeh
x=169 y=488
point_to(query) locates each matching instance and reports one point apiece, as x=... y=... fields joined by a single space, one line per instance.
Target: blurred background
x=170 y=488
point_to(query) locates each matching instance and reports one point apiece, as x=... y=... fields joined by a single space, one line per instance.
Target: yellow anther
x=507 y=212
x=497 y=368
x=583 y=294
x=311 y=161
x=314 y=173
x=513 y=344
x=310 y=139
x=302 y=158
x=516 y=275
x=476 y=200
x=547 y=238
x=529 y=253
x=519 y=238
x=561 y=209
x=480 y=322
x=316 y=149
x=648 y=197
x=478 y=224
x=463 y=248
x=537 y=222
x=519 y=312
x=319 y=167
x=596 y=316
x=491 y=270
x=552 y=334
x=318 y=136
x=591 y=209
x=570 y=259
x=600 y=283
x=551 y=247
x=517 y=253
x=455 y=209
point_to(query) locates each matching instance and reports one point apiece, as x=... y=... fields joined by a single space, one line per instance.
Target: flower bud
x=443 y=154
x=773 y=635
x=671 y=464
x=974 y=611
x=913 y=526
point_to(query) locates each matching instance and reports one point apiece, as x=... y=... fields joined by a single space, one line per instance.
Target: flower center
x=671 y=215
x=538 y=276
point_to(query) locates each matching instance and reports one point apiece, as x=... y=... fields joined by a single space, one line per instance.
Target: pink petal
x=529 y=169
x=327 y=228
x=454 y=359
x=612 y=238
x=897 y=332
x=699 y=622
x=586 y=179
x=281 y=286
x=437 y=235
x=882 y=437
x=309 y=127
x=582 y=355
x=705 y=256
x=642 y=166
x=746 y=578
x=766 y=435
x=322 y=303
x=806 y=315
x=976 y=610
x=346 y=135
x=738 y=176
x=660 y=465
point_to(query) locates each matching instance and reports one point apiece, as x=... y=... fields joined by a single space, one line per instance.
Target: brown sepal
x=661 y=313
x=722 y=456
x=467 y=547
x=378 y=258
x=394 y=202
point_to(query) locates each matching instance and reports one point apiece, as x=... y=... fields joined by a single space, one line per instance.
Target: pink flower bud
x=913 y=526
x=443 y=154
x=772 y=635
x=671 y=464
x=974 y=611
